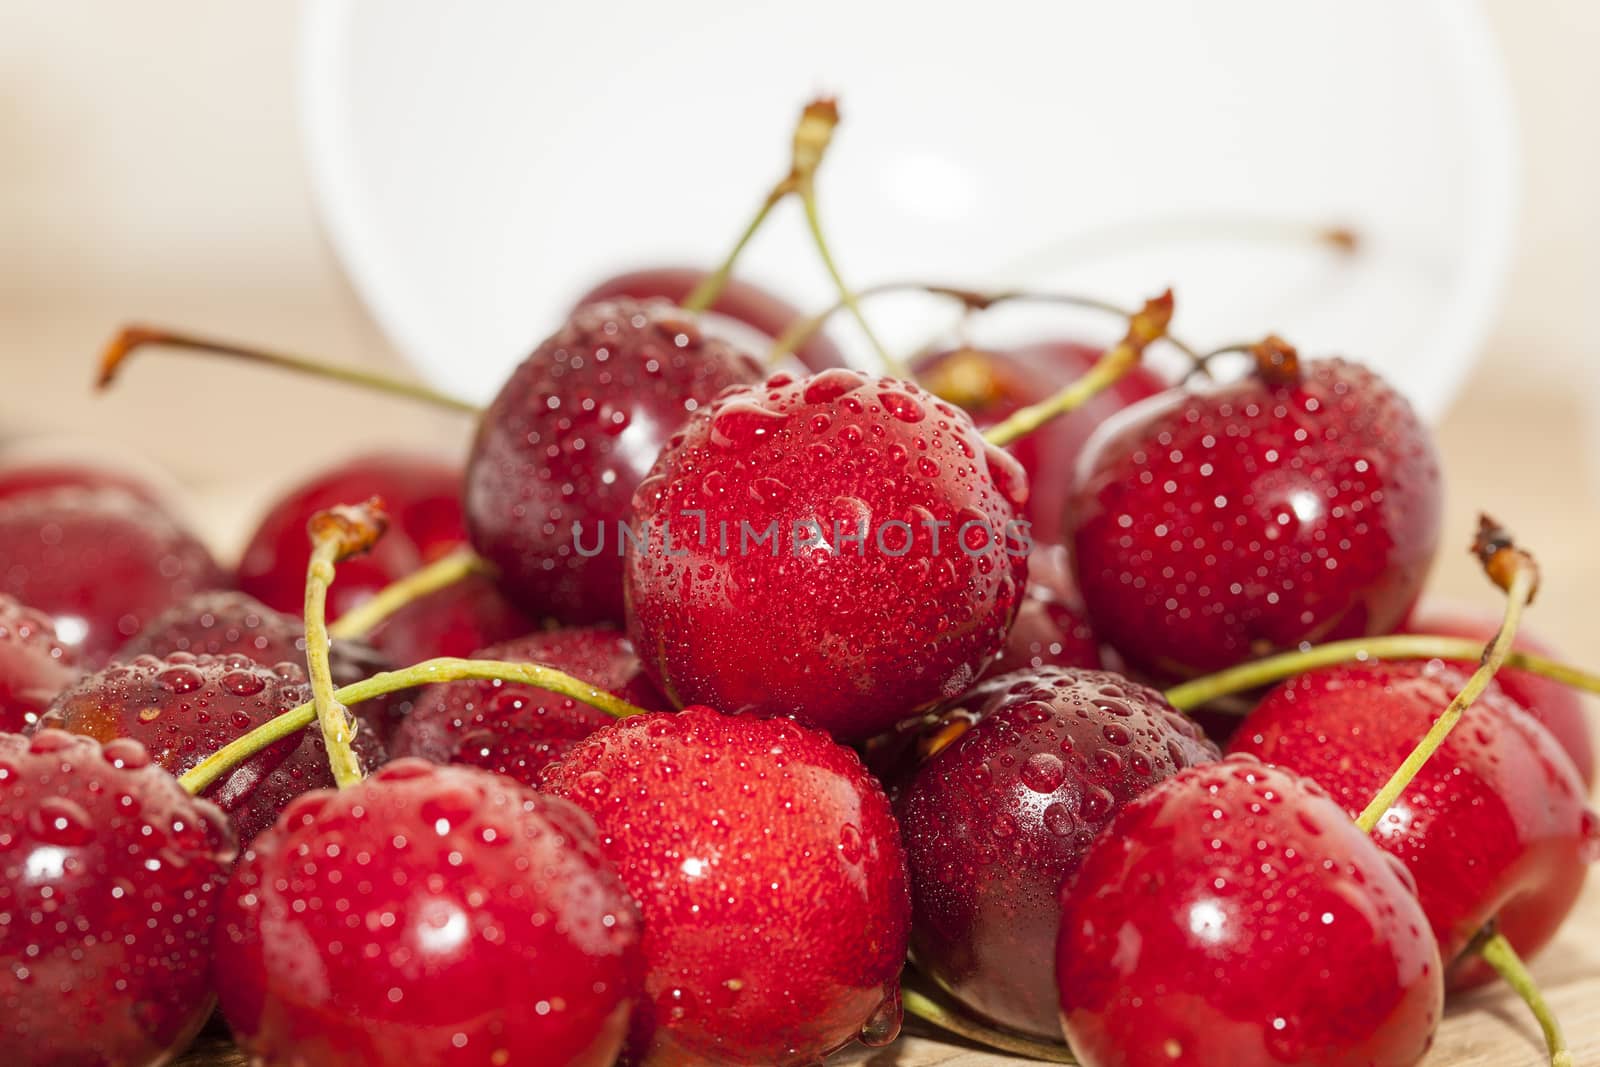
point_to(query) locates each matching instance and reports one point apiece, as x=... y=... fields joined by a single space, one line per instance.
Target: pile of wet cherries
x=717 y=712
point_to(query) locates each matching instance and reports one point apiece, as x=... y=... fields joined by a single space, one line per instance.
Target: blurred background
x=152 y=167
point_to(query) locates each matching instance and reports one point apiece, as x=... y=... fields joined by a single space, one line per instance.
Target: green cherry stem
x=132 y=338
x=1498 y=953
x=1514 y=571
x=1146 y=325
x=1247 y=676
x=428 y=672
x=443 y=572
x=946 y=1018
x=336 y=535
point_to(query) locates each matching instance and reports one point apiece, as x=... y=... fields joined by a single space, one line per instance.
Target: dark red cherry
x=110 y=881
x=1049 y=631
x=994 y=822
x=100 y=563
x=992 y=384
x=562 y=448
x=771 y=878
x=1559 y=707
x=518 y=730
x=183 y=708
x=859 y=558
x=1496 y=825
x=34 y=666
x=466 y=615
x=225 y=623
x=744 y=313
x=1234 y=915
x=429 y=916
x=421 y=495
x=1301 y=504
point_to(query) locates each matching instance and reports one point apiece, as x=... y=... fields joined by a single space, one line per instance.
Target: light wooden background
x=149 y=167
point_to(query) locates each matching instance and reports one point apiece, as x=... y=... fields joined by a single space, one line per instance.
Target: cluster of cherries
x=519 y=851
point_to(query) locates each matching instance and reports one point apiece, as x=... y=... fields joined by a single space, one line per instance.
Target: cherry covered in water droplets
x=421 y=494
x=34 y=665
x=110 y=879
x=892 y=564
x=100 y=563
x=1300 y=504
x=457 y=620
x=518 y=730
x=992 y=384
x=1495 y=826
x=1559 y=707
x=562 y=448
x=996 y=819
x=771 y=878
x=1234 y=915
x=183 y=708
x=431 y=916
x=744 y=313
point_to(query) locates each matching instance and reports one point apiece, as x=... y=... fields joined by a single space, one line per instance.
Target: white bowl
x=479 y=166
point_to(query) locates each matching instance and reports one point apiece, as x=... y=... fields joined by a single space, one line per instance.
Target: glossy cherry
x=992 y=384
x=771 y=879
x=1234 y=915
x=1559 y=707
x=110 y=881
x=183 y=708
x=34 y=665
x=421 y=495
x=518 y=730
x=467 y=615
x=743 y=313
x=449 y=917
x=1496 y=825
x=1300 y=504
x=21 y=476
x=995 y=820
x=891 y=570
x=1050 y=630
x=100 y=563
x=227 y=622
x=562 y=448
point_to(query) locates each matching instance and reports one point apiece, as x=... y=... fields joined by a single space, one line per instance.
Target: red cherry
x=1049 y=631
x=34 y=666
x=992 y=384
x=1496 y=825
x=183 y=708
x=741 y=309
x=99 y=562
x=518 y=730
x=852 y=636
x=20 y=477
x=428 y=916
x=226 y=623
x=1559 y=707
x=996 y=820
x=562 y=448
x=1234 y=915
x=771 y=878
x=468 y=614
x=110 y=878
x=421 y=495
x=1302 y=504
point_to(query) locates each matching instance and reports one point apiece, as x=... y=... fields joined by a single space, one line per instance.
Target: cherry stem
x=336 y=535
x=1117 y=238
x=1514 y=571
x=428 y=672
x=1148 y=324
x=443 y=572
x=929 y=1010
x=132 y=338
x=1247 y=676
x=1498 y=953
x=808 y=198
